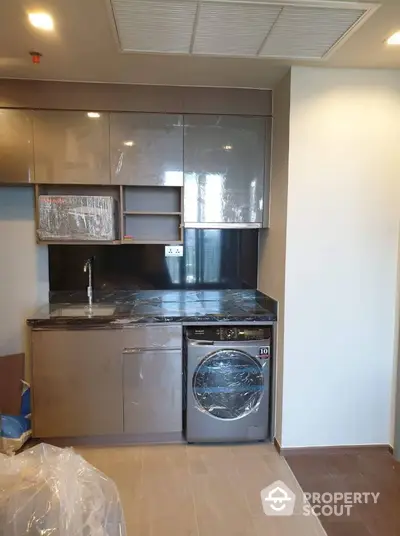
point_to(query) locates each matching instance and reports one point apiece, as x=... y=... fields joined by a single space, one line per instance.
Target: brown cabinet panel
x=224 y=170
x=150 y=336
x=77 y=383
x=71 y=147
x=146 y=149
x=153 y=391
x=16 y=147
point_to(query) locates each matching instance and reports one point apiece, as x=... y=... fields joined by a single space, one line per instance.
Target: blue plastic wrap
x=15 y=430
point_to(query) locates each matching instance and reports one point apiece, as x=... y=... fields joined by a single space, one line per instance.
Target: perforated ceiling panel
x=308 y=32
x=233 y=29
x=155 y=26
x=280 y=28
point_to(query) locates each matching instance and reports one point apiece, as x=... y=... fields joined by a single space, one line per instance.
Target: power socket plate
x=174 y=251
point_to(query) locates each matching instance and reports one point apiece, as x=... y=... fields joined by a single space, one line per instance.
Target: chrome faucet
x=88 y=267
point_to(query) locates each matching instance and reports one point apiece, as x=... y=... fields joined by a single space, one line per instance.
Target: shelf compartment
x=148 y=213
x=78 y=242
x=58 y=192
x=147 y=228
x=152 y=199
x=166 y=242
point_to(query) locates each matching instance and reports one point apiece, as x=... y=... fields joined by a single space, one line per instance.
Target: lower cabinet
x=76 y=383
x=107 y=381
x=152 y=391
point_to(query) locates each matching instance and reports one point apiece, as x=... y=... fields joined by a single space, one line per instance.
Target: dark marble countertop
x=123 y=308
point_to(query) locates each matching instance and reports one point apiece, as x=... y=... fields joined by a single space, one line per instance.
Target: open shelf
x=165 y=228
x=166 y=242
x=150 y=199
x=45 y=236
x=145 y=213
x=151 y=215
x=78 y=242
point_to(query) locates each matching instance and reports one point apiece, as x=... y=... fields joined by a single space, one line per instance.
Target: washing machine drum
x=228 y=384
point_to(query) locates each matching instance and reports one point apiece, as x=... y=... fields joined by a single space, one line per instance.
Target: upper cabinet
x=16 y=147
x=71 y=147
x=146 y=149
x=226 y=168
x=223 y=161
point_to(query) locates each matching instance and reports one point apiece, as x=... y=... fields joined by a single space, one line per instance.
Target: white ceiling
x=85 y=45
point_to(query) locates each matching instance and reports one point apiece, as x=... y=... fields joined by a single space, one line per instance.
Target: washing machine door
x=228 y=384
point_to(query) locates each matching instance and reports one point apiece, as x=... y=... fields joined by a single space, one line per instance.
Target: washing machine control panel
x=228 y=333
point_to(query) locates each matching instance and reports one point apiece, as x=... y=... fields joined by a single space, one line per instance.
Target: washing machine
x=228 y=383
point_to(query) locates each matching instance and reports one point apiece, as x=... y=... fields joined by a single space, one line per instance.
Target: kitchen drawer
x=150 y=336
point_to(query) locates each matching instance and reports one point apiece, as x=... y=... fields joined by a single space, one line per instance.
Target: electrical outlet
x=174 y=251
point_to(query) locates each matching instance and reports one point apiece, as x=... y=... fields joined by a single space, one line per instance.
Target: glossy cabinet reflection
x=152 y=387
x=146 y=149
x=224 y=167
x=71 y=147
x=76 y=383
x=16 y=147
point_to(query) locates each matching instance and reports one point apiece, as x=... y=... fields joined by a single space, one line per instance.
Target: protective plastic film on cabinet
x=225 y=166
x=228 y=384
x=53 y=491
x=152 y=379
x=146 y=149
x=76 y=217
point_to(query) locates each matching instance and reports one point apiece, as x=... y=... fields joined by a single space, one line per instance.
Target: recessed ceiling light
x=43 y=21
x=129 y=143
x=93 y=115
x=394 y=39
x=227 y=147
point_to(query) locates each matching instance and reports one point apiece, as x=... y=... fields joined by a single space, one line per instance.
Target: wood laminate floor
x=188 y=490
x=354 y=470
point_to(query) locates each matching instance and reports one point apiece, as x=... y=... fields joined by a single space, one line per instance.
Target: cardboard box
x=12 y=369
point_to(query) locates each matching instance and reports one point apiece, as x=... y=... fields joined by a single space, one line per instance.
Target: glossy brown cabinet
x=226 y=170
x=16 y=147
x=152 y=390
x=71 y=147
x=76 y=383
x=146 y=149
x=152 y=379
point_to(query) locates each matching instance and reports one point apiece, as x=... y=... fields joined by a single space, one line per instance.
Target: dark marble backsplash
x=213 y=259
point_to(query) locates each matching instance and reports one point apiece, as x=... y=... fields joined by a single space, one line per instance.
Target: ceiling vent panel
x=302 y=32
x=154 y=26
x=290 y=29
x=229 y=29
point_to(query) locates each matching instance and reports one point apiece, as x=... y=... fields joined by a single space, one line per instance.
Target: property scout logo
x=279 y=500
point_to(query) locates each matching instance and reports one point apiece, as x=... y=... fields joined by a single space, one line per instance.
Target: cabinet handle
x=143 y=350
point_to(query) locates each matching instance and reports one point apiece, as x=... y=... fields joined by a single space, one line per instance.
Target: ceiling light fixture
x=394 y=39
x=129 y=143
x=227 y=147
x=93 y=115
x=42 y=21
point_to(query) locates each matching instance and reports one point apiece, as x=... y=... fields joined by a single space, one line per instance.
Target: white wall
x=273 y=241
x=24 y=280
x=341 y=257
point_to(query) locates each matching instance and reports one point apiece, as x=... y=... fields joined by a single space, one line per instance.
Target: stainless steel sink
x=84 y=310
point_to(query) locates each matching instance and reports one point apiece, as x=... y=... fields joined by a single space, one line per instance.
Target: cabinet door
x=224 y=169
x=76 y=383
x=16 y=147
x=152 y=391
x=71 y=147
x=146 y=149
